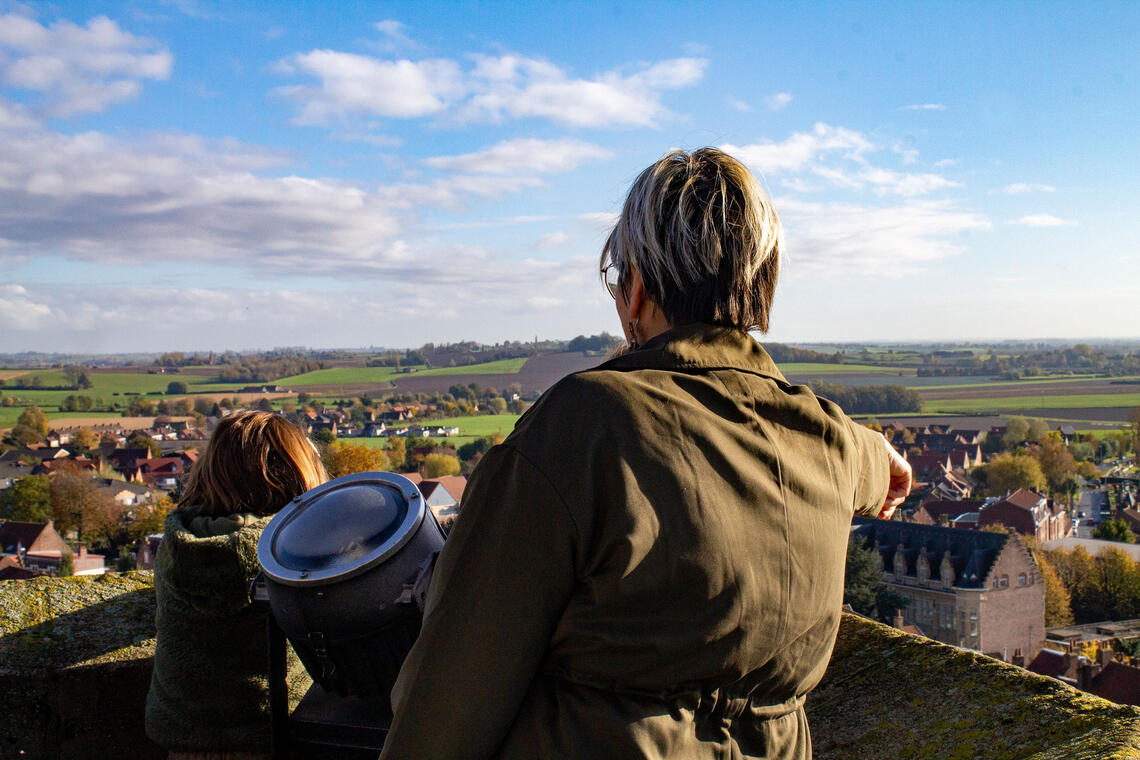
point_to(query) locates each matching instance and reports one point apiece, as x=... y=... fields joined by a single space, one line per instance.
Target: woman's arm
x=502 y=581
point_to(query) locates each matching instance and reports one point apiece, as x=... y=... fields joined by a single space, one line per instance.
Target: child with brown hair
x=209 y=690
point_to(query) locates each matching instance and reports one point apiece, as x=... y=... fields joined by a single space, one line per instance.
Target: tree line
x=869 y=399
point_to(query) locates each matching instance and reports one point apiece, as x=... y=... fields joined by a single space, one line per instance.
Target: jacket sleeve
x=871 y=472
x=503 y=579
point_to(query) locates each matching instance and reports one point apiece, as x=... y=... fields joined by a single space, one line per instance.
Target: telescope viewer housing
x=347 y=566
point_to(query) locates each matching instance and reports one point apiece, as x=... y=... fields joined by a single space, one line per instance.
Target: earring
x=633 y=342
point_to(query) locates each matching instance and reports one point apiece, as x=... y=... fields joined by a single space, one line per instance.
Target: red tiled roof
x=1024 y=499
x=1117 y=683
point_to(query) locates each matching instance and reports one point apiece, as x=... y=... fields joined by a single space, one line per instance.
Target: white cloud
x=351 y=83
x=552 y=240
x=944 y=162
x=837 y=239
x=1020 y=188
x=19 y=312
x=838 y=156
x=491 y=88
x=77 y=69
x=523 y=155
x=1043 y=220
x=800 y=149
x=394 y=38
x=924 y=107
x=778 y=101
x=177 y=197
x=739 y=105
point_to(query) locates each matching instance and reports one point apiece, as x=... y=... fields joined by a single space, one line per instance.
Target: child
x=209 y=690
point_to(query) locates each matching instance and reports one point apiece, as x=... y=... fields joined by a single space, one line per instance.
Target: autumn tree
x=342 y=458
x=140 y=440
x=31 y=426
x=77 y=504
x=85 y=439
x=397 y=452
x=439 y=465
x=150 y=518
x=1058 y=602
x=1016 y=431
x=1038 y=429
x=66 y=564
x=1008 y=472
x=1057 y=464
x=27 y=500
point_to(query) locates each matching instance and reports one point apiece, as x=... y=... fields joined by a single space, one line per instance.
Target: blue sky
x=196 y=175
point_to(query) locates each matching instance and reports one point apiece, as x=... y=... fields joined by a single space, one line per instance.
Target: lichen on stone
x=891 y=694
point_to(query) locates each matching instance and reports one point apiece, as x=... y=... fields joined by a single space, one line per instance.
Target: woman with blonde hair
x=651 y=564
x=209 y=690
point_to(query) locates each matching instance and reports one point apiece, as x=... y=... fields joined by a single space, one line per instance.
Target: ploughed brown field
x=1044 y=388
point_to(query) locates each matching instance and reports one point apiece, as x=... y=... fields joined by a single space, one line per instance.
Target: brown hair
x=704 y=237
x=255 y=462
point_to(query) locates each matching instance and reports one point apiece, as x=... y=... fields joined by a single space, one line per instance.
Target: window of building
x=1003 y=582
x=1021 y=579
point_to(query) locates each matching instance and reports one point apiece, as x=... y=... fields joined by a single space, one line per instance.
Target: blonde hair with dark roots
x=255 y=462
x=704 y=237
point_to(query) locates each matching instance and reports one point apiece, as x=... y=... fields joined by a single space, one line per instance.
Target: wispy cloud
x=1043 y=220
x=839 y=157
x=778 y=101
x=489 y=89
x=838 y=239
x=739 y=105
x=393 y=37
x=77 y=69
x=924 y=107
x=1020 y=188
x=552 y=240
x=523 y=155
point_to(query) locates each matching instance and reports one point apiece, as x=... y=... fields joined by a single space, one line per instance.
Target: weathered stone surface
x=888 y=694
x=75 y=660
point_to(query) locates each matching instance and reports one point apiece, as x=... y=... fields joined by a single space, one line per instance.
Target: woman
x=209 y=693
x=651 y=564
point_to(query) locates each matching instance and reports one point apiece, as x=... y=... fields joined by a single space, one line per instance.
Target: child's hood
x=208 y=562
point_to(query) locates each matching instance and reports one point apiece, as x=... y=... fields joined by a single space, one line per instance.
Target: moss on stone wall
x=75 y=659
x=888 y=694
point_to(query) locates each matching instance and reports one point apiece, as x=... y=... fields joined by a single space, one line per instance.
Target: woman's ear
x=635 y=294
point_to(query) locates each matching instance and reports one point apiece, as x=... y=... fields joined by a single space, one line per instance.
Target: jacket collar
x=700 y=346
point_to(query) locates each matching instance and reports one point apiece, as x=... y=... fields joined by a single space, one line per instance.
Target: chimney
x=898 y=619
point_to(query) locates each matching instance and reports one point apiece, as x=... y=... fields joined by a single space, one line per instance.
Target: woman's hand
x=901 y=479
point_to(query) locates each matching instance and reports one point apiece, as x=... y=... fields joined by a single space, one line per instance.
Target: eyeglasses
x=610 y=278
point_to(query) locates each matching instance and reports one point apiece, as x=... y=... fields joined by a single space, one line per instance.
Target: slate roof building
x=973 y=589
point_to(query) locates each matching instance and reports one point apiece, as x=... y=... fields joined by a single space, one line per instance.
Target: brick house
x=973 y=589
x=934 y=511
x=1029 y=513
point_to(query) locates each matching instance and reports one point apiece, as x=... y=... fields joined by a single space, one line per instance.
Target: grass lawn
x=823 y=368
x=341 y=376
x=1067 y=401
x=479 y=425
x=500 y=367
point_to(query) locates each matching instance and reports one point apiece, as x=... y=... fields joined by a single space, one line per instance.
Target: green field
x=470 y=428
x=385 y=375
x=823 y=368
x=342 y=376
x=1068 y=401
x=1030 y=381
x=499 y=367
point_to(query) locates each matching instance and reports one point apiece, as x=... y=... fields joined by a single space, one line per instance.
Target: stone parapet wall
x=75 y=660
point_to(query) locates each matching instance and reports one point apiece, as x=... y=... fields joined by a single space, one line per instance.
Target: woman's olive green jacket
x=650 y=566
